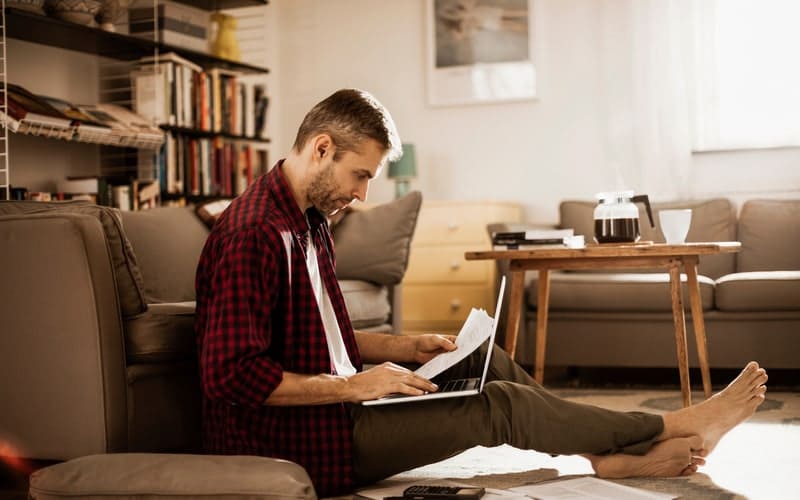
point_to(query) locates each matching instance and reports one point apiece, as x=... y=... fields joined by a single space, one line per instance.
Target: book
x=533 y=234
x=88 y=128
x=536 y=246
x=25 y=107
x=130 y=128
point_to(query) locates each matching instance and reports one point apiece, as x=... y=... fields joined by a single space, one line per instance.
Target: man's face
x=338 y=183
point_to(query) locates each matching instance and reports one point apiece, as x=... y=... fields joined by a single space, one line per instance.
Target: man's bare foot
x=723 y=411
x=670 y=458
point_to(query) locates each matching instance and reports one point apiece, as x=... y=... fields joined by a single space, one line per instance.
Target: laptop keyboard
x=459 y=384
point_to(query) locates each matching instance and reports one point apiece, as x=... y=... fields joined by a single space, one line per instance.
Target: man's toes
x=696 y=443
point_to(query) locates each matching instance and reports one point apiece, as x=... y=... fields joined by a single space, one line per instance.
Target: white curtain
x=747 y=74
x=647 y=76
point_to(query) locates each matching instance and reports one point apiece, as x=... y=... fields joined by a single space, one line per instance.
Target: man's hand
x=427 y=346
x=384 y=379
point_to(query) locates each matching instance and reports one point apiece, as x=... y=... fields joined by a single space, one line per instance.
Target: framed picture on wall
x=480 y=51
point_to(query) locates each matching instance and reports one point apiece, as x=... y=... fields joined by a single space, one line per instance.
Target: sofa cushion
x=130 y=286
x=373 y=245
x=712 y=220
x=770 y=234
x=759 y=291
x=151 y=475
x=165 y=332
x=612 y=292
x=367 y=303
x=167 y=242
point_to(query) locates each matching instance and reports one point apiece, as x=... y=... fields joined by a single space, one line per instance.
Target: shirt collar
x=277 y=185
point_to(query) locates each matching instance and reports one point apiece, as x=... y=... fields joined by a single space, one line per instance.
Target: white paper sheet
x=476 y=329
x=591 y=488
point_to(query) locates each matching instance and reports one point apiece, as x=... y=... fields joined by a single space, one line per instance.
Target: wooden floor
x=14 y=478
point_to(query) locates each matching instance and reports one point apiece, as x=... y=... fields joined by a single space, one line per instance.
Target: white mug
x=675 y=225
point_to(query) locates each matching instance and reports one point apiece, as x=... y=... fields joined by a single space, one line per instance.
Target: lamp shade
x=406 y=166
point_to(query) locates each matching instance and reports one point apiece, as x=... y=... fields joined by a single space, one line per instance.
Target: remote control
x=426 y=492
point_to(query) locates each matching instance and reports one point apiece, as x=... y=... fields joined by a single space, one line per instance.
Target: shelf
x=87 y=135
x=195 y=198
x=30 y=27
x=207 y=133
x=222 y=4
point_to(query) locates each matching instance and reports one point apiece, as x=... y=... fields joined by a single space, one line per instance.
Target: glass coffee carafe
x=616 y=217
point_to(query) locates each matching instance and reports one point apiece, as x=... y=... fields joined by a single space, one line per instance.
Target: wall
x=537 y=152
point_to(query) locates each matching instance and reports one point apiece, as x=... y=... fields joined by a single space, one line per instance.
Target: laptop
x=456 y=387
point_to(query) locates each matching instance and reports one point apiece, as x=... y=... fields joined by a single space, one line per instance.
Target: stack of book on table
x=534 y=239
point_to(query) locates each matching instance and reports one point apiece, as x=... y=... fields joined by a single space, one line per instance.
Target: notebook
x=456 y=387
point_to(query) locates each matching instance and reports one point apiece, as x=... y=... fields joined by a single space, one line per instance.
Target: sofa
x=97 y=351
x=751 y=299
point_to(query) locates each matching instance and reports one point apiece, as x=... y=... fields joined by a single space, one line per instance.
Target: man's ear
x=323 y=147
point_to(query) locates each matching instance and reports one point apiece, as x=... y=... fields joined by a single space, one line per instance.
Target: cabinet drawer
x=445 y=264
x=420 y=327
x=449 y=223
x=429 y=303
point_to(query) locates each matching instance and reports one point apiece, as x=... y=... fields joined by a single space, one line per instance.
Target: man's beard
x=322 y=192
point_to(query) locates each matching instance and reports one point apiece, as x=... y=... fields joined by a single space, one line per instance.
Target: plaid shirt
x=256 y=317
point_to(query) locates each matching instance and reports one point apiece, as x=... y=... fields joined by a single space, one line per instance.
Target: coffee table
x=613 y=256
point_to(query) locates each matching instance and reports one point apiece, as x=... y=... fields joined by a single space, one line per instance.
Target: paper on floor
x=588 y=488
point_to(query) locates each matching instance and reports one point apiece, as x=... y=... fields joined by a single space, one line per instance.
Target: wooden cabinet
x=440 y=287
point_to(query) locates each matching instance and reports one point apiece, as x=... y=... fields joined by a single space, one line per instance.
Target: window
x=747 y=74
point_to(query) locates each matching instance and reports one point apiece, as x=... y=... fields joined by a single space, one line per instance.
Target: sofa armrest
x=62 y=363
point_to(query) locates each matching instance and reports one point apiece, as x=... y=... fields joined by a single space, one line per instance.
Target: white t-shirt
x=336 y=348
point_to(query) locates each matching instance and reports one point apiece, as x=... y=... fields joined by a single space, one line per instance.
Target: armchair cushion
x=373 y=245
x=130 y=286
x=367 y=303
x=164 y=333
x=153 y=475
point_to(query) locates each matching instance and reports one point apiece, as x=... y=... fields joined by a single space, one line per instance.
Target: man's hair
x=349 y=116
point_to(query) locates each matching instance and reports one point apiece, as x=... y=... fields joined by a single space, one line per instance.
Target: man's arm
x=380 y=347
x=382 y=380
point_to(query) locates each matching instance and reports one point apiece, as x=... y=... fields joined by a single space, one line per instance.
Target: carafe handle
x=643 y=198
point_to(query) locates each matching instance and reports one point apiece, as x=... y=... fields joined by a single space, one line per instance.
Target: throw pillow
x=374 y=244
x=130 y=285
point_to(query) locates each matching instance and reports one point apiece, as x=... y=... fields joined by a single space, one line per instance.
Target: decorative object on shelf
x=74 y=11
x=225 y=44
x=403 y=170
x=109 y=12
x=35 y=6
x=178 y=24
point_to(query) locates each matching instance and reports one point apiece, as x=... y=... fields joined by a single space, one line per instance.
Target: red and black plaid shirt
x=256 y=317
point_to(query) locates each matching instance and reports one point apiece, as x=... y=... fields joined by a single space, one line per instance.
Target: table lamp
x=403 y=170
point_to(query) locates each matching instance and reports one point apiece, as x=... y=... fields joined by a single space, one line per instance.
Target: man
x=281 y=366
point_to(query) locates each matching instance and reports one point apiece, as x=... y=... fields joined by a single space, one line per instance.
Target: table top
x=594 y=250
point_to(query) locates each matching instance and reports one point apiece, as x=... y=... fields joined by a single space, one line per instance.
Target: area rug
x=759 y=459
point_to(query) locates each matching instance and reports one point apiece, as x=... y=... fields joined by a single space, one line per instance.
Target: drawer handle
x=455 y=265
x=455 y=304
x=452 y=226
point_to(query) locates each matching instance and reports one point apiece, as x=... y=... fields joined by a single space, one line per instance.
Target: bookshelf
x=123 y=50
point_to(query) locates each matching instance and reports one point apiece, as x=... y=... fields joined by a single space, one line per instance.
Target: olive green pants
x=513 y=409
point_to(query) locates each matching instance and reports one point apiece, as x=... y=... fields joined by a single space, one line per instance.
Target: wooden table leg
x=690 y=265
x=515 y=307
x=542 y=305
x=680 y=332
